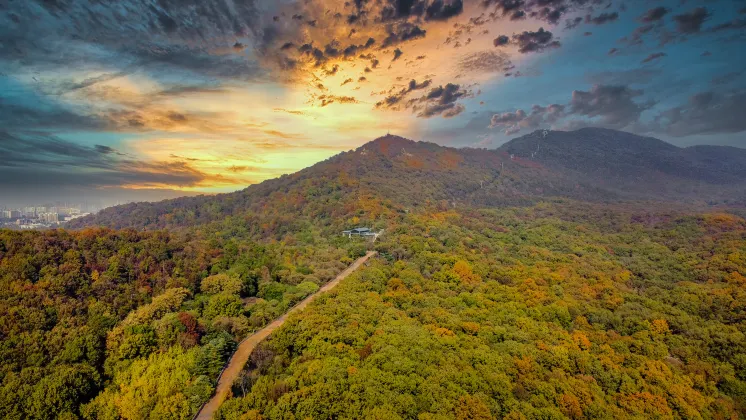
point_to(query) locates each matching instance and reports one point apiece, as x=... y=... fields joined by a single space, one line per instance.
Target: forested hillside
x=395 y=174
x=555 y=311
x=123 y=324
x=581 y=280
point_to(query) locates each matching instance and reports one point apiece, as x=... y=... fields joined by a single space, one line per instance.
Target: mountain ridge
x=400 y=174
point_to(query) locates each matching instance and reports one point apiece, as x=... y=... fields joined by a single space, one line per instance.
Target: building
x=49 y=217
x=359 y=231
x=10 y=214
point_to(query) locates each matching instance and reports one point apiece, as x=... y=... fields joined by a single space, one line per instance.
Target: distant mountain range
x=397 y=174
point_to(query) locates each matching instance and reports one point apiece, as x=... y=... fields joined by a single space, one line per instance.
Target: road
x=241 y=356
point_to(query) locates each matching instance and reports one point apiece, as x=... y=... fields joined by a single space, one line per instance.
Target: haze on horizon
x=151 y=99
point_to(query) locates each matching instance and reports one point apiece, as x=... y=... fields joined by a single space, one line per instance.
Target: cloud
x=176 y=33
x=616 y=106
x=440 y=10
x=402 y=32
x=653 y=15
x=573 y=23
x=705 y=113
x=501 y=40
x=550 y=11
x=733 y=24
x=397 y=54
x=602 y=18
x=42 y=113
x=534 y=41
x=393 y=100
x=611 y=106
x=691 y=22
x=45 y=159
x=485 y=62
x=432 y=10
x=653 y=57
x=441 y=100
x=327 y=99
x=513 y=122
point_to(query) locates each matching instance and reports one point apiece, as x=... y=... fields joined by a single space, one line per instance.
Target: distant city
x=44 y=216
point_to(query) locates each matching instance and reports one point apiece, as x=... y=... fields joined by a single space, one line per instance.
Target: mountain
x=392 y=175
x=635 y=165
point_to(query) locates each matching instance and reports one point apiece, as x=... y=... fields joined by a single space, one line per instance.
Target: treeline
x=104 y=324
x=554 y=311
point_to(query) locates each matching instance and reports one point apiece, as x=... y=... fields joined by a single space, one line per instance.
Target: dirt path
x=241 y=356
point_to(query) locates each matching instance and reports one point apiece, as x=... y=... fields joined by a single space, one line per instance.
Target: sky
x=155 y=98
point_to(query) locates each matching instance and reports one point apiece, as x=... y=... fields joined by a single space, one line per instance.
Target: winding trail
x=241 y=356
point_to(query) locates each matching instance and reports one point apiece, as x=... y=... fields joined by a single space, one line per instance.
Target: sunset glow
x=212 y=102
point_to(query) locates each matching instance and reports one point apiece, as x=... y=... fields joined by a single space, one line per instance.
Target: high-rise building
x=48 y=217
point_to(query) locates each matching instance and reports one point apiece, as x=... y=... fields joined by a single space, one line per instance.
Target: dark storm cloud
x=397 y=54
x=653 y=15
x=691 y=22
